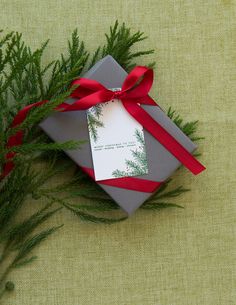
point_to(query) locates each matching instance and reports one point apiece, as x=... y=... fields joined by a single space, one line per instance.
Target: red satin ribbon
x=128 y=183
x=133 y=93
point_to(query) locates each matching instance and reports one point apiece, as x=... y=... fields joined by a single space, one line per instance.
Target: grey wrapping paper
x=73 y=126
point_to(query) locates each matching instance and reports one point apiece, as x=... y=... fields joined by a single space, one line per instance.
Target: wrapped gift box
x=73 y=126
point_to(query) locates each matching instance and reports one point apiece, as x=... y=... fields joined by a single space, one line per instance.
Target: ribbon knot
x=117 y=94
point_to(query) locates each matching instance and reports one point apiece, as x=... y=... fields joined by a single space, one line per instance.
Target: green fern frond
x=92 y=218
x=35 y=147
x=25 y=262
x=119 y=44
x=189 y=128
x=18 y=232
x=160 y=206
x=27 y=246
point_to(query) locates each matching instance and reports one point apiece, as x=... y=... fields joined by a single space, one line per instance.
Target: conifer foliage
x=138 y=165
x=93 y=117
x=25 y=80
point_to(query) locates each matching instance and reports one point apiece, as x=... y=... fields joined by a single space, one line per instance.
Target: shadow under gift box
x=73 y=125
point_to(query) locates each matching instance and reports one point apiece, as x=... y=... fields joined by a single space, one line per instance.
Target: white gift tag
x=117 y=142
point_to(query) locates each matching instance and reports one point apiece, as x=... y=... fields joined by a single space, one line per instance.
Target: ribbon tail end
x=198 y=170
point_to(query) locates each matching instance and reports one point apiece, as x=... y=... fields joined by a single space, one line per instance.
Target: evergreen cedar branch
x=24 y=80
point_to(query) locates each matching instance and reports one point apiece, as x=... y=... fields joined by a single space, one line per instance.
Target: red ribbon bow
x=133 y=94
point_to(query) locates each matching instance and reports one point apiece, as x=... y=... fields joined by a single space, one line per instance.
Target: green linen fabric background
x=173 y=257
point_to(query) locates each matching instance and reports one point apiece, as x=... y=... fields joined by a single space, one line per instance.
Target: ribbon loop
x=138 y=82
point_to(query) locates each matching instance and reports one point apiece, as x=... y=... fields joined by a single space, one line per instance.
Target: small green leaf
x=160 y=206
x=25 y=262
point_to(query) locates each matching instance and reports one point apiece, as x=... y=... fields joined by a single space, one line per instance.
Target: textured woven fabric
x=173 y=257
